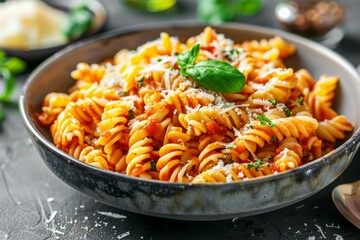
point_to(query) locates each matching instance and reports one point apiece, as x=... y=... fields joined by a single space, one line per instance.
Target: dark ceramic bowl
x=191 y=201
x=36 y=55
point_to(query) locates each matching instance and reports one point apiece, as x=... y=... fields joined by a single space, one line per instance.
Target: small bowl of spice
x=319 y=20
x=33 y=30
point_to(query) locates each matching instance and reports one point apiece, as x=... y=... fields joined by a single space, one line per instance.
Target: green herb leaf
x=287 y=111
x=14 y=65
x=271 y=158
x=9 y=67
x=78 y=21
x=229 y=147
x=187 y=58
x=131 y=114
x=215 y=11
x=1 y=112
x=141 y=82
x=274 y=103
x=273 y=139
x=264 y=120
x=217 y=76
x=247 y=7
x=256 y=164
x=2 y=55
x=231 y=54
x=9 y=84
x=153 y=165
x=301 y=99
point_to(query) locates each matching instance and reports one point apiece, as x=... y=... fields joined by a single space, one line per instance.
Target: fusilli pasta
x=138 y=115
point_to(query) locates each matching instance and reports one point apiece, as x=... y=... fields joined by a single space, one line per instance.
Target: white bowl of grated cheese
x=33 y=29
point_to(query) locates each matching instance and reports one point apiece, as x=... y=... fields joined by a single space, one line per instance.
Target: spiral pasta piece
x=333 y=129
x=66 y=129
x=139 y=158
x=232 y=172
x=88 y=73
x=278 y=87
x=52 y=105
x=113 y=126
x=175 y=157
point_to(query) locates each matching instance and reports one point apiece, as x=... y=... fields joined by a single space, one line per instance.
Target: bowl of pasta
x=193 y=122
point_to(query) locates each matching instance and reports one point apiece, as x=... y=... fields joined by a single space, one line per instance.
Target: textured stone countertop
x=34 y=204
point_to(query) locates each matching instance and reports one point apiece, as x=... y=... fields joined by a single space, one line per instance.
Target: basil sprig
x=9 y=66
x=215 y=75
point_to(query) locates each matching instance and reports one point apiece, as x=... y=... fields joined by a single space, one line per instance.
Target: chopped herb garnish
x=271 y=158
x=274 y=103
x=273 y=139
x=301 y=99
x=131 y=114
x=231 y=54
x=256 y=164
x=248 y=126
x=159 y=59
x=121 y=94
x=264 y=120
x=140 y=82
x=232 y=161
x=287 y=111
x=152 y=165
x=229 y=147
x=214 y=75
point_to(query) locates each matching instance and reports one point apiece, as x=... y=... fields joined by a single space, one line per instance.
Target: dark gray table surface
x=34 y=204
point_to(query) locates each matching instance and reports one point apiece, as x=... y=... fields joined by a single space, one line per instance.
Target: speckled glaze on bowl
x=191 y=201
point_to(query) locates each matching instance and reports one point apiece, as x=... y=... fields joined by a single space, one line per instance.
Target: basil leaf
x=247 y=7
x=187 y=58
x=15 y=65
x=215 y=11
x=2 y=56
x=1 y=112
x=9 y=84
x=217 y=76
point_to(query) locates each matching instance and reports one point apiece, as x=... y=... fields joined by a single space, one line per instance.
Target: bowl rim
x=348 y=146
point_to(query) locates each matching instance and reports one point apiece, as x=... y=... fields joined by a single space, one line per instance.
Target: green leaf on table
x=247 y=7
x=219 y=11
x=78 y=21
x=9 y=66
x=15 y=65
x=9 y=84
x=1 y=112
x=215 y=11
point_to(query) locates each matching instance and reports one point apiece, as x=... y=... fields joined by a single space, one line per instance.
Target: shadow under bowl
x=191 y=201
